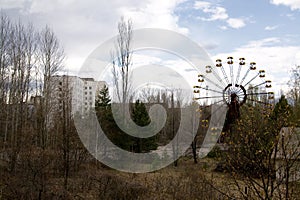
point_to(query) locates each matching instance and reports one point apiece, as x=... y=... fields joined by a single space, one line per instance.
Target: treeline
x=171 y=102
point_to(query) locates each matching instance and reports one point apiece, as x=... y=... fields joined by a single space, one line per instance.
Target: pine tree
x=140 y=115
x=103 y=112
x=141 y=118
x=103 y=109
x=103 y=99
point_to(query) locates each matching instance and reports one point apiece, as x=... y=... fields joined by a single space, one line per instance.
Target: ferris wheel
x=233 y=85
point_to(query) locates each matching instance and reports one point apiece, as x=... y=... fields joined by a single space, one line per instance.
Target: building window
x=91 y=103
x=85 y=88
x=90 y=87
x=90 y=93
x=85 y=93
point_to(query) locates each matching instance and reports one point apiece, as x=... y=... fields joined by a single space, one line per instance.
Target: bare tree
x=193 y=124
x=51 y=57
x=17 y=55
x=121 y=59
x=5 y=29
x=176 y=103
x=150 y=95
x=294 y=84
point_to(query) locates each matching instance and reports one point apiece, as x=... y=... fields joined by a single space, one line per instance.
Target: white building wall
x=83 y=91
x=90 y=90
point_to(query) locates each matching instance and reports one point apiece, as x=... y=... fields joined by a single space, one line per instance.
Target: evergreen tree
x=103 y=108
x=104 y=113
x=281 y=113
x=139 y=114
x=141 y=118
x=103 y=99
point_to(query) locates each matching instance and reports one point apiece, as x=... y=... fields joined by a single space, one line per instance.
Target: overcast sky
x=266 y=31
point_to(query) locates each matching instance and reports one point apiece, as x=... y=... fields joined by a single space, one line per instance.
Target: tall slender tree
x=51 y=58
x=121 y=59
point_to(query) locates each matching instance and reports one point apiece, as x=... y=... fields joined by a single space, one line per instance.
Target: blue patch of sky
x=257 y=15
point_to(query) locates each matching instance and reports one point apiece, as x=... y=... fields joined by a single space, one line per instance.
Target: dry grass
x=94 y=181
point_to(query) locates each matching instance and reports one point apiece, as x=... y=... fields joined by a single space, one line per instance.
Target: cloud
x=217 y=12
x=83 y=25
x=199 y=5
x=223 y=27
x=271 y=28
x=156 y=14
x=293 y=4
x=11 y=4
x=271 y=41
x=236 y=23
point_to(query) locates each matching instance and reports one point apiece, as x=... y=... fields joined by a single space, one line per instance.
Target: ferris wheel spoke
x=218 y=77
x=206 y=88
x=210 y=70
x=231 y=74
x=255 y=86
x=251 y=79
x=245 y=76
x=238 y=74
x=225 y=75
x=208 y=97
x=239 y=91
x=213 y=83
x=241 y=95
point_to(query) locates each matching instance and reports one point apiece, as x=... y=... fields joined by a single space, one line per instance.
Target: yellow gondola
x=242 y=61
x=262 y=73
x=208 y=69
x=218 y=63
x=268 y=84
x=253 y=66
x=230 y=60
x=270 y=95
x=201 y=78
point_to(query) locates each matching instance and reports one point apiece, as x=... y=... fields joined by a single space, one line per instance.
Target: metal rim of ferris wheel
x=234 y=85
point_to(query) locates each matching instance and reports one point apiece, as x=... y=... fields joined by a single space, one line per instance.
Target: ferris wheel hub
x=236 y=93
